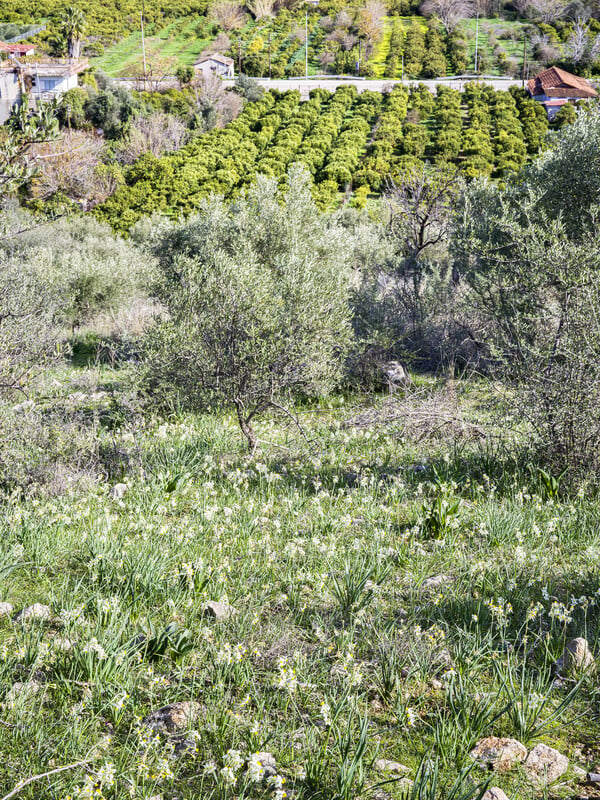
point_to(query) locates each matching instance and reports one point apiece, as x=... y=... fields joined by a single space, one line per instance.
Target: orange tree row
x=106 y=21
x=346 y=141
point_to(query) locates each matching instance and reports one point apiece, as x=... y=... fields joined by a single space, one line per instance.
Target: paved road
x=376 y=85
x=305 y=85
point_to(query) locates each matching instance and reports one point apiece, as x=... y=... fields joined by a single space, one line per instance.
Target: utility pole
x=402 y=72
x=143 y=42
x=476 y=43
x=239 y=55
x=306 y=44
x=269 y=54
x=524 y=61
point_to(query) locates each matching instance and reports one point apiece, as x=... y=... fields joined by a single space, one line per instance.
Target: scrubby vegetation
x=401 y=564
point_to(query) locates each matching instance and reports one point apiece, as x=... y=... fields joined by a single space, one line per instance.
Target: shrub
x=534 y=295
x=83 y=263
x=29 y=322
x=71 y=109
x=258 y=300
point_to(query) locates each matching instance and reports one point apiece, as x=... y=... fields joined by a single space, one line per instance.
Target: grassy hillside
x=179 y=40
x=397 y=593
x=106 y=21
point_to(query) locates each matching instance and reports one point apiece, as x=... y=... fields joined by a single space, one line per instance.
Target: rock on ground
x=6 y=609
x=36 y=611
x=21 y=693
x=267 y=762
x=437 y=581
x=577 y=655
x=494 y=793
x=384 y=765
x=381 y=794
x=395 y=375
x=545 y=765
x=219 y=611
x=174 y=717
x=118 y=491
x=499 y=753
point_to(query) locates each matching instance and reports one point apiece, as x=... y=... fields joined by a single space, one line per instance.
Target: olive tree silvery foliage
x=257 y=296
x=92 y=268
x=531 y=263
x=565 y=178
x=29 y=333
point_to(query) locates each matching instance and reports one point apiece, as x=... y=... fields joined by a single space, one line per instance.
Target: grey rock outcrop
x=385 y=765
x=6 y=609
x=118 y=491
x=219 y=611
x=174 y=717
x=545 y=765
x=494 y=793
x=577 y=655
x=499 y=753
x=36 y=611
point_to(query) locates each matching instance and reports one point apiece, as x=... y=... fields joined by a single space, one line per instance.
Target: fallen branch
x=33 y=778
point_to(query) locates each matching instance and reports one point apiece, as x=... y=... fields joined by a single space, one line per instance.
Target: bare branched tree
x=449 y=12
x=546 y=10
x=261 y=8
x=220 y=44
x=149 y=76
x=543 y=49
x=229 y=14
x=421 y=206
x=371 y=21
x=582 y=46
x=157 y=134
x=343 y=19
x=216 y=105
x=345 y=39
x=70 y=165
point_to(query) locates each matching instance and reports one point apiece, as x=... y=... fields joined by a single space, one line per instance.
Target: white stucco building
x=41 y=80
x=215 y=64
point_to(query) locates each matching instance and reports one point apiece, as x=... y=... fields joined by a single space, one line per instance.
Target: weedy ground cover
x=338 y=651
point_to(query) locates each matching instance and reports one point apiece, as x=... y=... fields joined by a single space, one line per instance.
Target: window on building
x=48 y=84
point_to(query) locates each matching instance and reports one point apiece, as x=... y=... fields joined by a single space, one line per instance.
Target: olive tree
x=532 y=303
x=565 y=178
x=257 y=299
x=29 y=323
x=93 y=269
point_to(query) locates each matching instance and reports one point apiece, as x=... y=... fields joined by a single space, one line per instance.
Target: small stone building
x=20 y=49
x=215 y=64
x=554 y=87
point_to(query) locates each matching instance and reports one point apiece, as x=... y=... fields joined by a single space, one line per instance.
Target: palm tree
x=72 y=26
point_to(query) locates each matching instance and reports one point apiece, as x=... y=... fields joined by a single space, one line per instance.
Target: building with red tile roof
x=20 y=49
x=555 y=86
